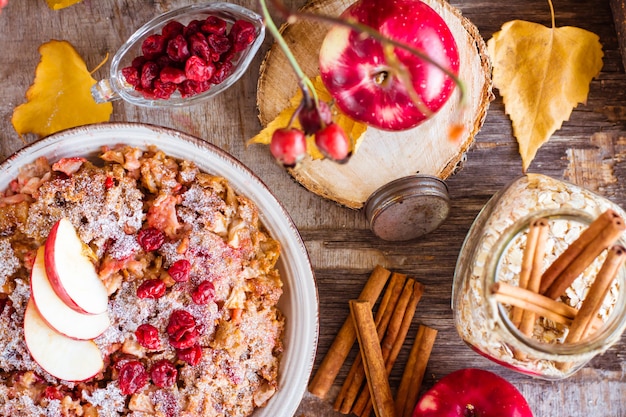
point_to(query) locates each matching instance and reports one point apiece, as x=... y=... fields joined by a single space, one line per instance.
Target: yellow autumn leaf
x=60 y=96
x=353 y=129
x=542 y=74
x=61 y=4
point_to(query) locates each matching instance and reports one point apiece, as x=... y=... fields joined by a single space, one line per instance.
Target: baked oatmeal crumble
x=231 y=366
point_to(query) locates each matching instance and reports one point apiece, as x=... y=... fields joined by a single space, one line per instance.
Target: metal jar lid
x=408 y=207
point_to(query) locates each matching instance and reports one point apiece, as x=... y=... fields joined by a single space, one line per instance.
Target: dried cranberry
x=148 y=336
x=179 y=270
x=151 y=288
x=163 y=373
x=222 y=72
x=132 y=377
x=204 y=292
x=165 y=61
x=192 y=27
x=190 y=88
x=52 y=393
x=196 y=69
x=138 y=62
x=199 y=46
x=214 y=24
x=150 y=239
x=172 y=29
x=109 y=182
x=242 y=34
x=131 y=75
x=163 y=90
x=149 y=73
x=181 y=329
x=191 y=355
x=177 y=49
x=172 y=75
x=219 y=43
x=153 y=46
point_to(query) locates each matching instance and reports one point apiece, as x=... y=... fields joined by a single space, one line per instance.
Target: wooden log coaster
x=382 y=156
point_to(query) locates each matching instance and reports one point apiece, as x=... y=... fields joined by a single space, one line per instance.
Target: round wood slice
x=382 y=156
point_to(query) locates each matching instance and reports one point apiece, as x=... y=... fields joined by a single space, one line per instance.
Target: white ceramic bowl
x=299 y=301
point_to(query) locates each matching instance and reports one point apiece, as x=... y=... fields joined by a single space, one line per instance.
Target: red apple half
x=71 y=272
x=367 y=86
x=472 y=393
x=61 y=356
x=56 y=313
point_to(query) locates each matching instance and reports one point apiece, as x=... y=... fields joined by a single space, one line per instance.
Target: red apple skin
x=352 y=65
x=472 y=392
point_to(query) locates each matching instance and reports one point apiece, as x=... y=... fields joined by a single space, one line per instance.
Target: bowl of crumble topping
x=195 y=295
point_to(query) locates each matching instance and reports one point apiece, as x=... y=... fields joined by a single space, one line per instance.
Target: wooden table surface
x=590 y=149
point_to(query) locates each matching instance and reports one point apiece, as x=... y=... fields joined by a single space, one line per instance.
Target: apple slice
x=63 y=357
x=70 y=271
x=56 y=313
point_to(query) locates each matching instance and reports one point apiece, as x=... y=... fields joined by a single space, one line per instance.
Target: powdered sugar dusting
x=239 y=328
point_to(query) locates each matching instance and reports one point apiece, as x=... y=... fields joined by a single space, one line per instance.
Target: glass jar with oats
x=540 y=282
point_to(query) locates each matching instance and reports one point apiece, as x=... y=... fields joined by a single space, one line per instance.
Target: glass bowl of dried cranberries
x=184 y=56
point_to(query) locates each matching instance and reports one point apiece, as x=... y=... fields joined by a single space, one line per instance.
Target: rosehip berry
x=314 y=118
x=191 y=355
x=148 y=336
x=196 y=69
x=150 y=239
x=242 y=34
x=333 y=143
x=213 y=24
x=288 y=145
x=163 y=373
x=204 y=292
x=132 y=377
x=179 y=270
x=151 y=288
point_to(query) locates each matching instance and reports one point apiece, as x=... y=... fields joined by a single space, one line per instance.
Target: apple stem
x=309 y=95
x=354 y=25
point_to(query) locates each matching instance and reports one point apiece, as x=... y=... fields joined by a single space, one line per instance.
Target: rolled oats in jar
x=492 y=257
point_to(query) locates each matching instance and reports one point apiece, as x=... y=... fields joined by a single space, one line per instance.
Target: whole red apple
x=369 y=87
x=472 y=393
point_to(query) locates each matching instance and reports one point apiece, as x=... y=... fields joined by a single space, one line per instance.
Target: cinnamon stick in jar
x=338 y=352
x=534 y=280
x=530 y=274
x=598 y=236
x=373 y=362
x=582 y=324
